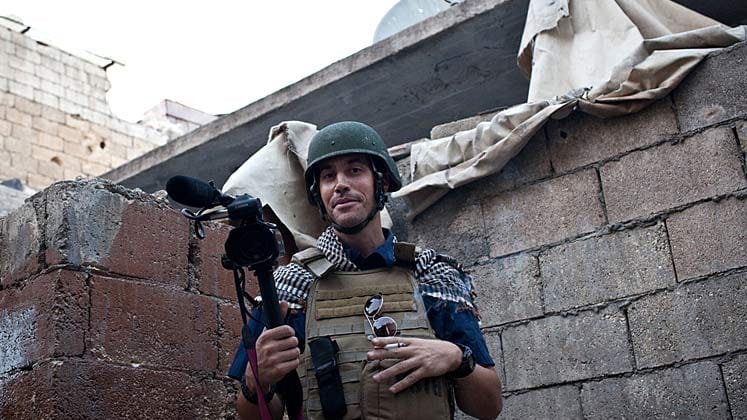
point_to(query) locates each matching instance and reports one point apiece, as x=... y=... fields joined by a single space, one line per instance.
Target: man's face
x=346 y=184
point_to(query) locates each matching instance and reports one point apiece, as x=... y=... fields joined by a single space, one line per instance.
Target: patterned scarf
x=438 y=276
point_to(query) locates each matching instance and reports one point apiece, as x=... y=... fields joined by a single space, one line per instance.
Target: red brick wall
x=109 y=307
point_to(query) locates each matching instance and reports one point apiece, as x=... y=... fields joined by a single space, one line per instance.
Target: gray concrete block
x=692 y=391
x=714 y=91
x=709 y=238
x=561 y=349
x=582 y=139
x=532 y=163
x=694 y=321
x=508 y=290
x=493 y=341
x=735 y=379
x=20 y=244
x=742 y=135
x=543 y=213
x=453 y=226
x=563 y=402
x=667 y=176
x=606 y=267
x=451 y=128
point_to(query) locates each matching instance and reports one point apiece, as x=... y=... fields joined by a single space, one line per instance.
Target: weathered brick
x=151 y=243
x=27 y=79
x=49 y=168
x=44 y=125
x=735 y=379
x=508 y=289
x=47 y=316
x=454 y=226
x=582 y=139
x=229 y=335
x=691 y=391
x=18 y=63
x=38 y=181
x=606 y=267
x=563 y=402
x=21 y=89
x=99 y=224
x=5 y=128
x=75 y=388
x=27 y=107
x=667 y=176
x=51 y=141
x=565 y=348
x=710 y=237
x=53 y=114
x=532 y=163
x=543 y=213
x=54 y=88
x=27 y=54
x=211 y=277
x=713 y=91
x=69 y=133
x=15 y=116
x=48 y=74
x=93 y=168
x=155 y=326
x=20 y=244
x=693 y=321
x=47 y=99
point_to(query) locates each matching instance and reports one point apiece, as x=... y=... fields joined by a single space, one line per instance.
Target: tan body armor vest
x=335 y=309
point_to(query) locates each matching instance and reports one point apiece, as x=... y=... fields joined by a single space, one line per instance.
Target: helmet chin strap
x=380 y=201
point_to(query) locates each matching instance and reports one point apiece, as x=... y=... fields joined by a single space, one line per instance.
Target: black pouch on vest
x=324 y=357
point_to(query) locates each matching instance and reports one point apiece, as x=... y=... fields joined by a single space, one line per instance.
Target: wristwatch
x=467 y=365
x=251 y=396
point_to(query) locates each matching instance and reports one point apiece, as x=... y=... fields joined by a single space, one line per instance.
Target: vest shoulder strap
x=406 y=252
x=313 y=260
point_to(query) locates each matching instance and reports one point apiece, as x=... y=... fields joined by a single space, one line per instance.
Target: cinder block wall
x=55 y=122
x=110 y=309
x=610 y=257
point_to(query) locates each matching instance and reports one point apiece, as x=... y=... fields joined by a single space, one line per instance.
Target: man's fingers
x=407 y=381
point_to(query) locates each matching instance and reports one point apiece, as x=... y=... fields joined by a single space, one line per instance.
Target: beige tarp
x=604 y=57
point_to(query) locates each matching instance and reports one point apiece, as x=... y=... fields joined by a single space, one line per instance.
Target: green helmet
x=347 y=137
x=344 y=138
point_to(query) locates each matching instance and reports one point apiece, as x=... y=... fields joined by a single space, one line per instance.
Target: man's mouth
x=343 y=202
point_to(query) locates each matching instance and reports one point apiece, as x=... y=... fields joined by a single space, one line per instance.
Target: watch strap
x=252 y=396
x=467 y=366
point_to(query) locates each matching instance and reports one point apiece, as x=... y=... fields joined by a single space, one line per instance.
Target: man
x=356 y=278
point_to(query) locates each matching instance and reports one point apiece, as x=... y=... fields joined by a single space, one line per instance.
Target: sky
x=215 y=56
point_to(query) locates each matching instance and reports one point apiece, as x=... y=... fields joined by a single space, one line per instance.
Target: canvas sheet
x=603 y=57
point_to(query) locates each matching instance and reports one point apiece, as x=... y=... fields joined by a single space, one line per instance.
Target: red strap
x=264 y=409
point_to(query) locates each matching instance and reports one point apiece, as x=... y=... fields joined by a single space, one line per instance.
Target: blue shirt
x=449 y=322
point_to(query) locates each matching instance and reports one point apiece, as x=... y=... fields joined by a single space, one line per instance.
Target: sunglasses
x=382 y=326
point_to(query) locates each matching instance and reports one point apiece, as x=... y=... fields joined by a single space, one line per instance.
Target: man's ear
x=385 y=183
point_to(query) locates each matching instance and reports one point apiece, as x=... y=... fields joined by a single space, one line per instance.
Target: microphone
x=194 y=192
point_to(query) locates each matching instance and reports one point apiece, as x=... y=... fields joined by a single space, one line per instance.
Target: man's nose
x=341 y=183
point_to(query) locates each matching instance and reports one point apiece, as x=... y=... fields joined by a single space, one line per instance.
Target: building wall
x=610 y=259
x=55 y=122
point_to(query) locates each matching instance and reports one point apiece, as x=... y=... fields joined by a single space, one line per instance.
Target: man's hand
x=277 y=354
x=422 y=358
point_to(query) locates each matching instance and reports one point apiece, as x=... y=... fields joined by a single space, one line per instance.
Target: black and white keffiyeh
x=438 y=276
